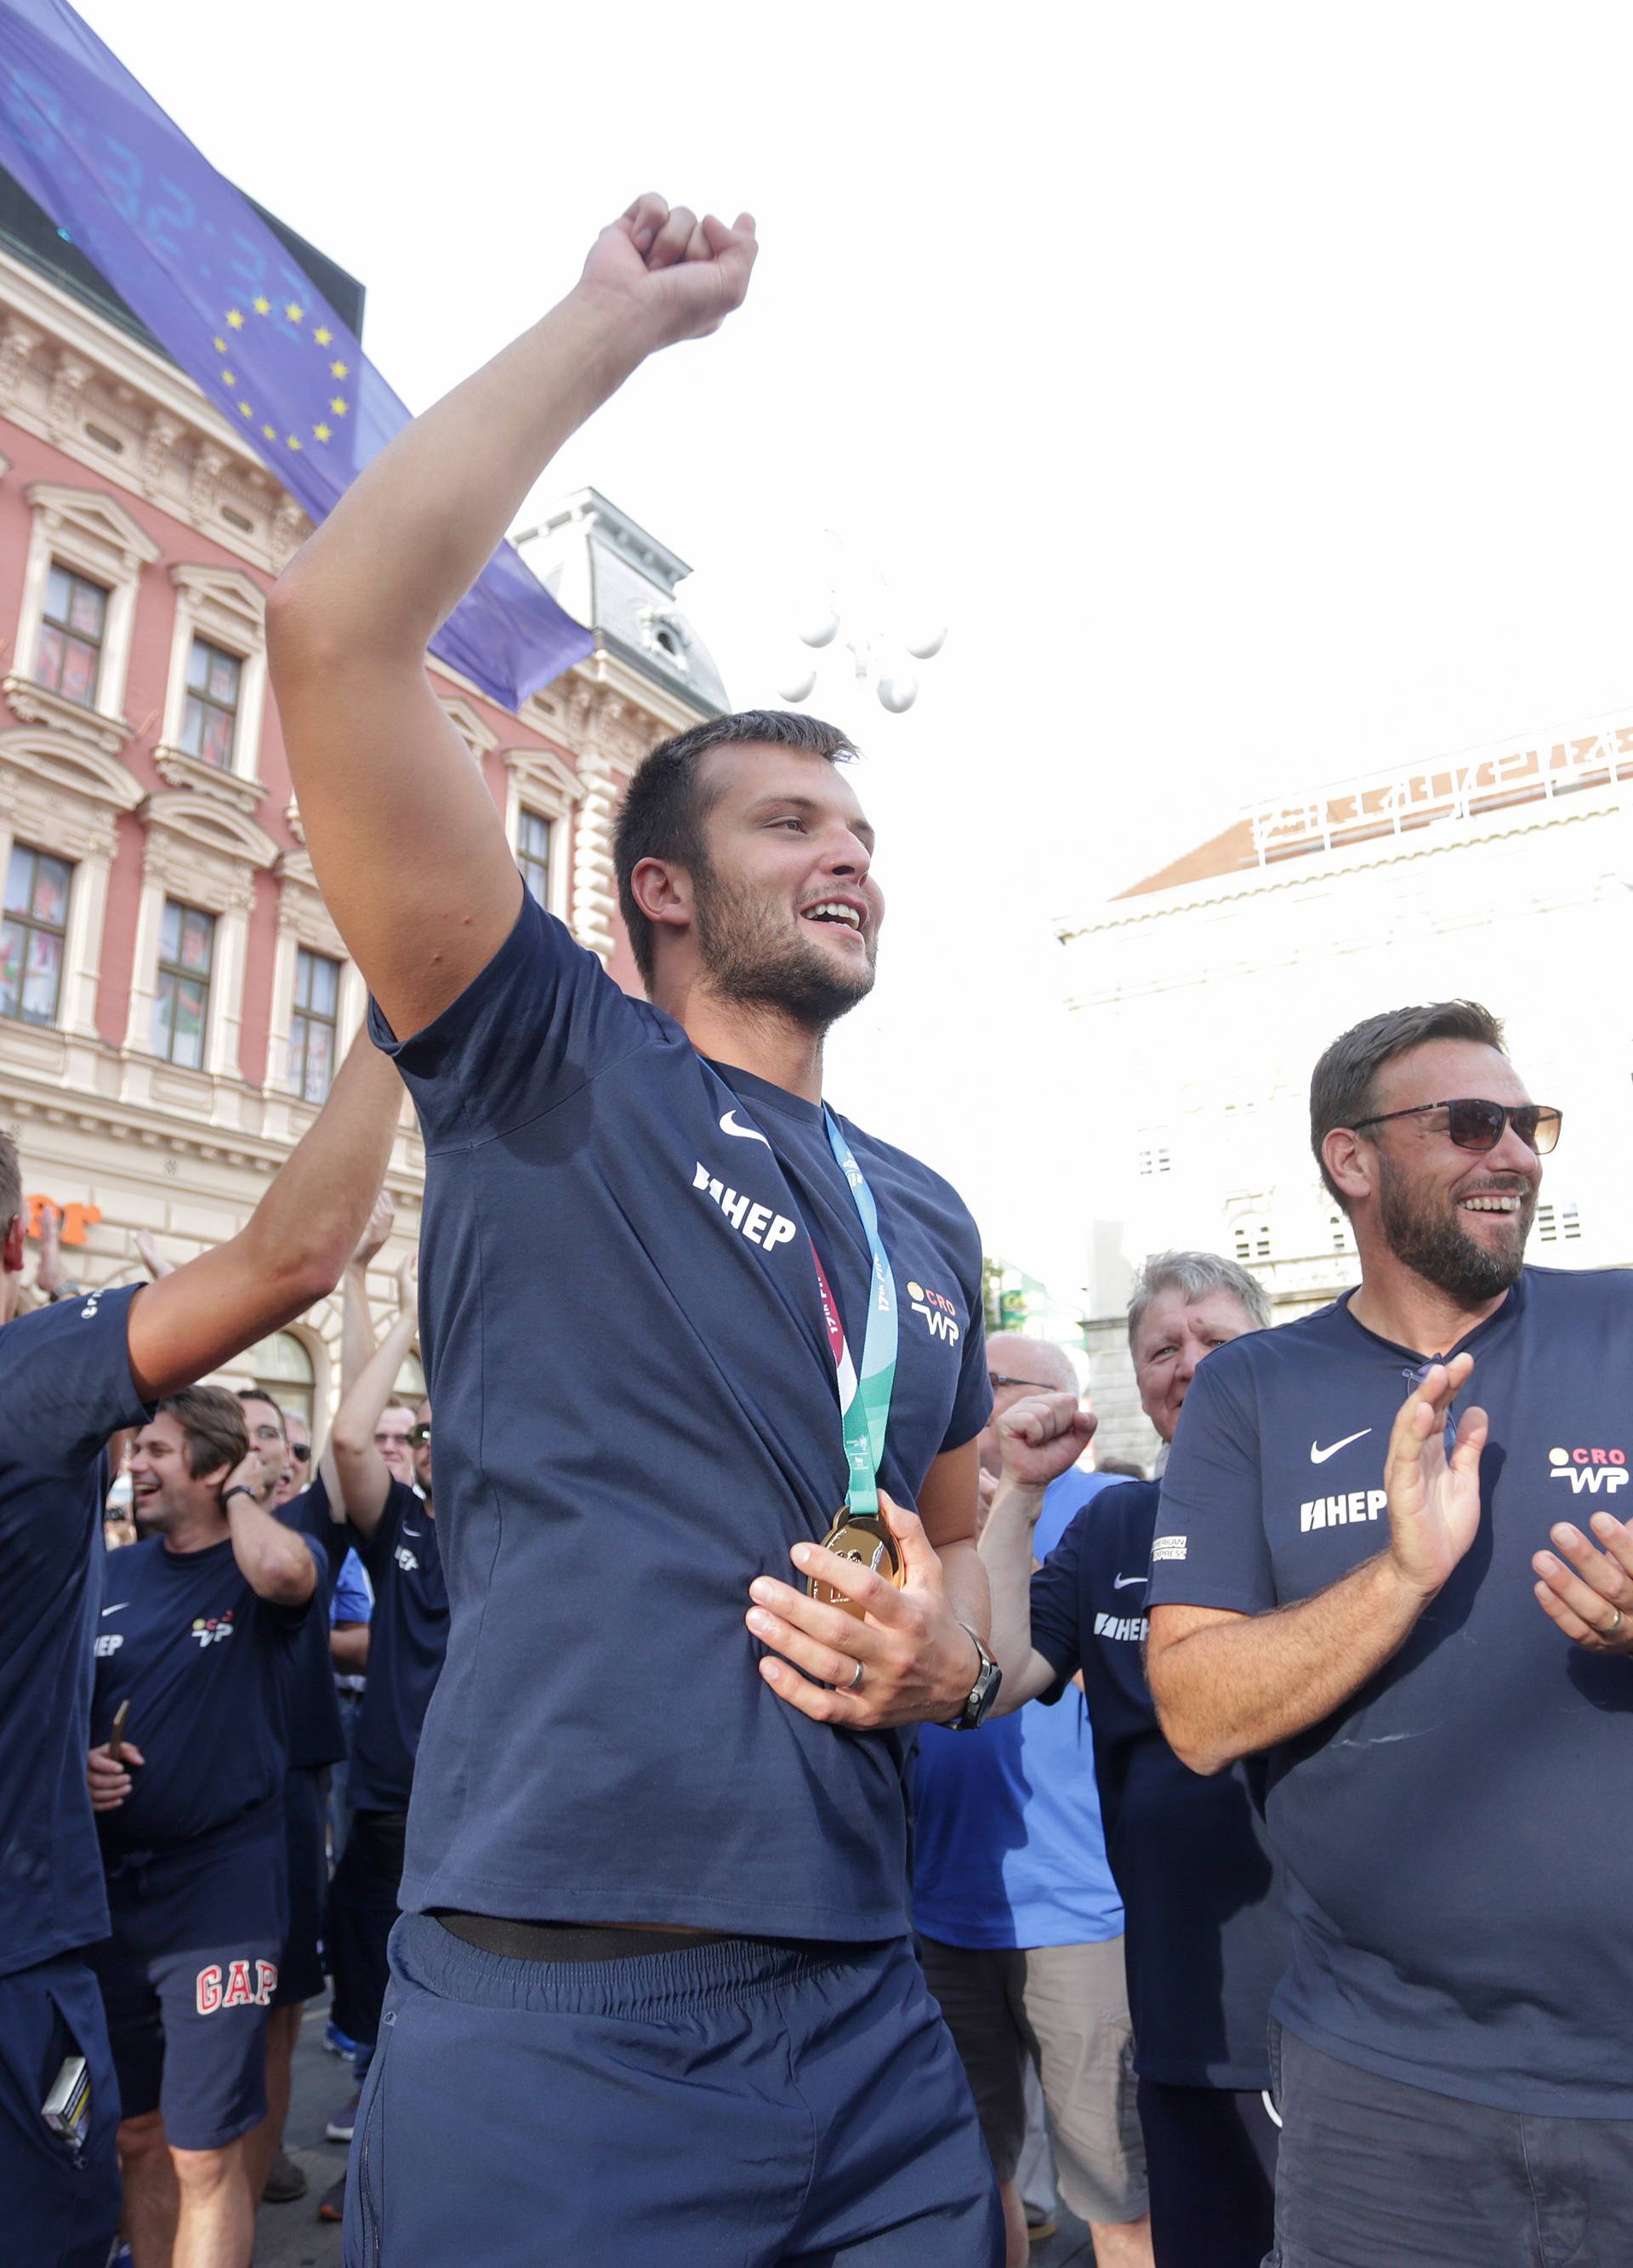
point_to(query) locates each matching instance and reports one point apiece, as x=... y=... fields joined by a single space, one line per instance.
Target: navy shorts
x=59 y=2201
x=734 y=2100
x=187 y=1978
x=306 y=1827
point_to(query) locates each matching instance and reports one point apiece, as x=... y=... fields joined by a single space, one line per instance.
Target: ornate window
x=318 y=997
x=532 y=853
x=83 y=537
x=541 y=792
x=68 y=654
x=187 y=945
x=210 y=714
x=33 y=935
x=282 y=1367
x=202 y=856
x=216 y=690
x=57 y=790
x=313 y=1024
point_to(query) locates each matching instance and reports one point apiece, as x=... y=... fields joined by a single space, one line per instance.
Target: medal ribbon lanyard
x=865 y=1401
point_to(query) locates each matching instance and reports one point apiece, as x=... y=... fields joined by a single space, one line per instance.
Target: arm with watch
x=273 y=1560
x=911 y=1654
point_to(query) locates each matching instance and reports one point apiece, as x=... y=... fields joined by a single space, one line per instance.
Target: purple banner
x=197 y=264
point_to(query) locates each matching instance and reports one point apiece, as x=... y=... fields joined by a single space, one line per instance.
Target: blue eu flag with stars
x=197 y=264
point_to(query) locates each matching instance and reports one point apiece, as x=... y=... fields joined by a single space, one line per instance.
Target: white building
x=1205 y=994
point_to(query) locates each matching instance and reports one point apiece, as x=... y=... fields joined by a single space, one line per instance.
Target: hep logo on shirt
x=210 y=1992
x=210 y=1630
x=757 y=1222
x=1589 y=1469
x=941 y=1316
x=406 y=1559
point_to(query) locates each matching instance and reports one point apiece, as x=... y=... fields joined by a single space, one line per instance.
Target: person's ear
x=1351 y=1160
x=12 y=1252
x=663 y=891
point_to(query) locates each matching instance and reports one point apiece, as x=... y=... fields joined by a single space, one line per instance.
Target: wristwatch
x=982 y=1693
x=239 y=1488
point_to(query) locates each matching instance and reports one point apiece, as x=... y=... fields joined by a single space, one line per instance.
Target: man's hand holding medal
x=895 y=1654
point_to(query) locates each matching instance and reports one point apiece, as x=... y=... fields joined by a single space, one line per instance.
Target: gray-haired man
x=1205 y=1938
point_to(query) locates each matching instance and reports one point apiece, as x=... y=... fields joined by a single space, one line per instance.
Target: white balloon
x=820 y=629
x=799 y=688
x=927 y=645
x=897 y=693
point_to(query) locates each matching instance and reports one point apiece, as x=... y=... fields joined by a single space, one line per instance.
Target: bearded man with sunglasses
x=1359 y=1572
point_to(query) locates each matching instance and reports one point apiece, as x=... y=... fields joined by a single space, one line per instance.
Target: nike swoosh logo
x=1122 y=1582
x=1320 y=1456
x=729 y=1125
x=410 y=1531
x=118 y=1610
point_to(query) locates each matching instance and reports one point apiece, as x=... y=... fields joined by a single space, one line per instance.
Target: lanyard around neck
x=864 y=1400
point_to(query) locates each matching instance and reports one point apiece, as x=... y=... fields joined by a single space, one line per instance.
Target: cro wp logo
x=1589 y=1471
x=941 y=1317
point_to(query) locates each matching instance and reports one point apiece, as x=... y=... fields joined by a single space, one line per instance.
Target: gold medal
x=866 y=1539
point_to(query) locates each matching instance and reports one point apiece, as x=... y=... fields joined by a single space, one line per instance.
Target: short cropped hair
x=10 y=1185
x=1196 y=1274
x=260 y=1394
x=1340 y=1086
x=212 y=1419
x=664 y=806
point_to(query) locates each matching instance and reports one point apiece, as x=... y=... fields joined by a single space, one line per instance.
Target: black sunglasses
x=1473 y=1125
x=301 y=1451
x=419 y=1435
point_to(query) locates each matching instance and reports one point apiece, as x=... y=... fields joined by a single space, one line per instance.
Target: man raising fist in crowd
x=672 y=1323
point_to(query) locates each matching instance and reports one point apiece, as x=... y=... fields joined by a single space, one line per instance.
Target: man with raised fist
x=653 y=1995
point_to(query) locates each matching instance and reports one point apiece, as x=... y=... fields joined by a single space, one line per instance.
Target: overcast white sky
x=1248 y=387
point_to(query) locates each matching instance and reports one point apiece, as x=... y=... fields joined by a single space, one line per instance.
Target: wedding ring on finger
x=856 y=1677
x=1606 y=1629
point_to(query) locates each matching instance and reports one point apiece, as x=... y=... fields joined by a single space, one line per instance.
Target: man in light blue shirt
x=1020 y=1927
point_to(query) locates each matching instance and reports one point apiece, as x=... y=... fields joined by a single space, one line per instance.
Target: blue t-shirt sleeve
x=1056 y=1609
x=972 y=1405
x=65 y=1382
x=353 y=1600
x=1209 y=1548
x=537 y=1023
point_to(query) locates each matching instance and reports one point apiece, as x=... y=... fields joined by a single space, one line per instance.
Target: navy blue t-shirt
x=1207 y=1940
x=316 y=1736
x=407 y=1639
x=636 y=1413
x=1455 y=1853
x=65 y=1385
x=208 y=1668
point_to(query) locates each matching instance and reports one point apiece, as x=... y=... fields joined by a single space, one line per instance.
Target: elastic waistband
x=424 y=1952
x=566 y=1941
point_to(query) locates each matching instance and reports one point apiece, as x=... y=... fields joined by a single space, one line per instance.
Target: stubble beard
x=751 y=962
x=1441 y=1251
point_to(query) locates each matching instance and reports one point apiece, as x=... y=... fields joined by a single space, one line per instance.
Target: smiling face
x=1457 y=1218
x=1175 y=1333
x=163 y=1493
x=786 y=911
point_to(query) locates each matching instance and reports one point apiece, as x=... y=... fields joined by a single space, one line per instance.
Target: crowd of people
x=780 y=1757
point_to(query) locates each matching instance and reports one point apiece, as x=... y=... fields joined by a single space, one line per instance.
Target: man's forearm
x=320 y=1198
x=417 y=526
x=1006 y=1551
x=965 y=1586
x=273 y=1559
x=1245 y=1682
x=356 y=1325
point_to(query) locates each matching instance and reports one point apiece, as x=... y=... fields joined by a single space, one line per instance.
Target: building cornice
x=1534 y=817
